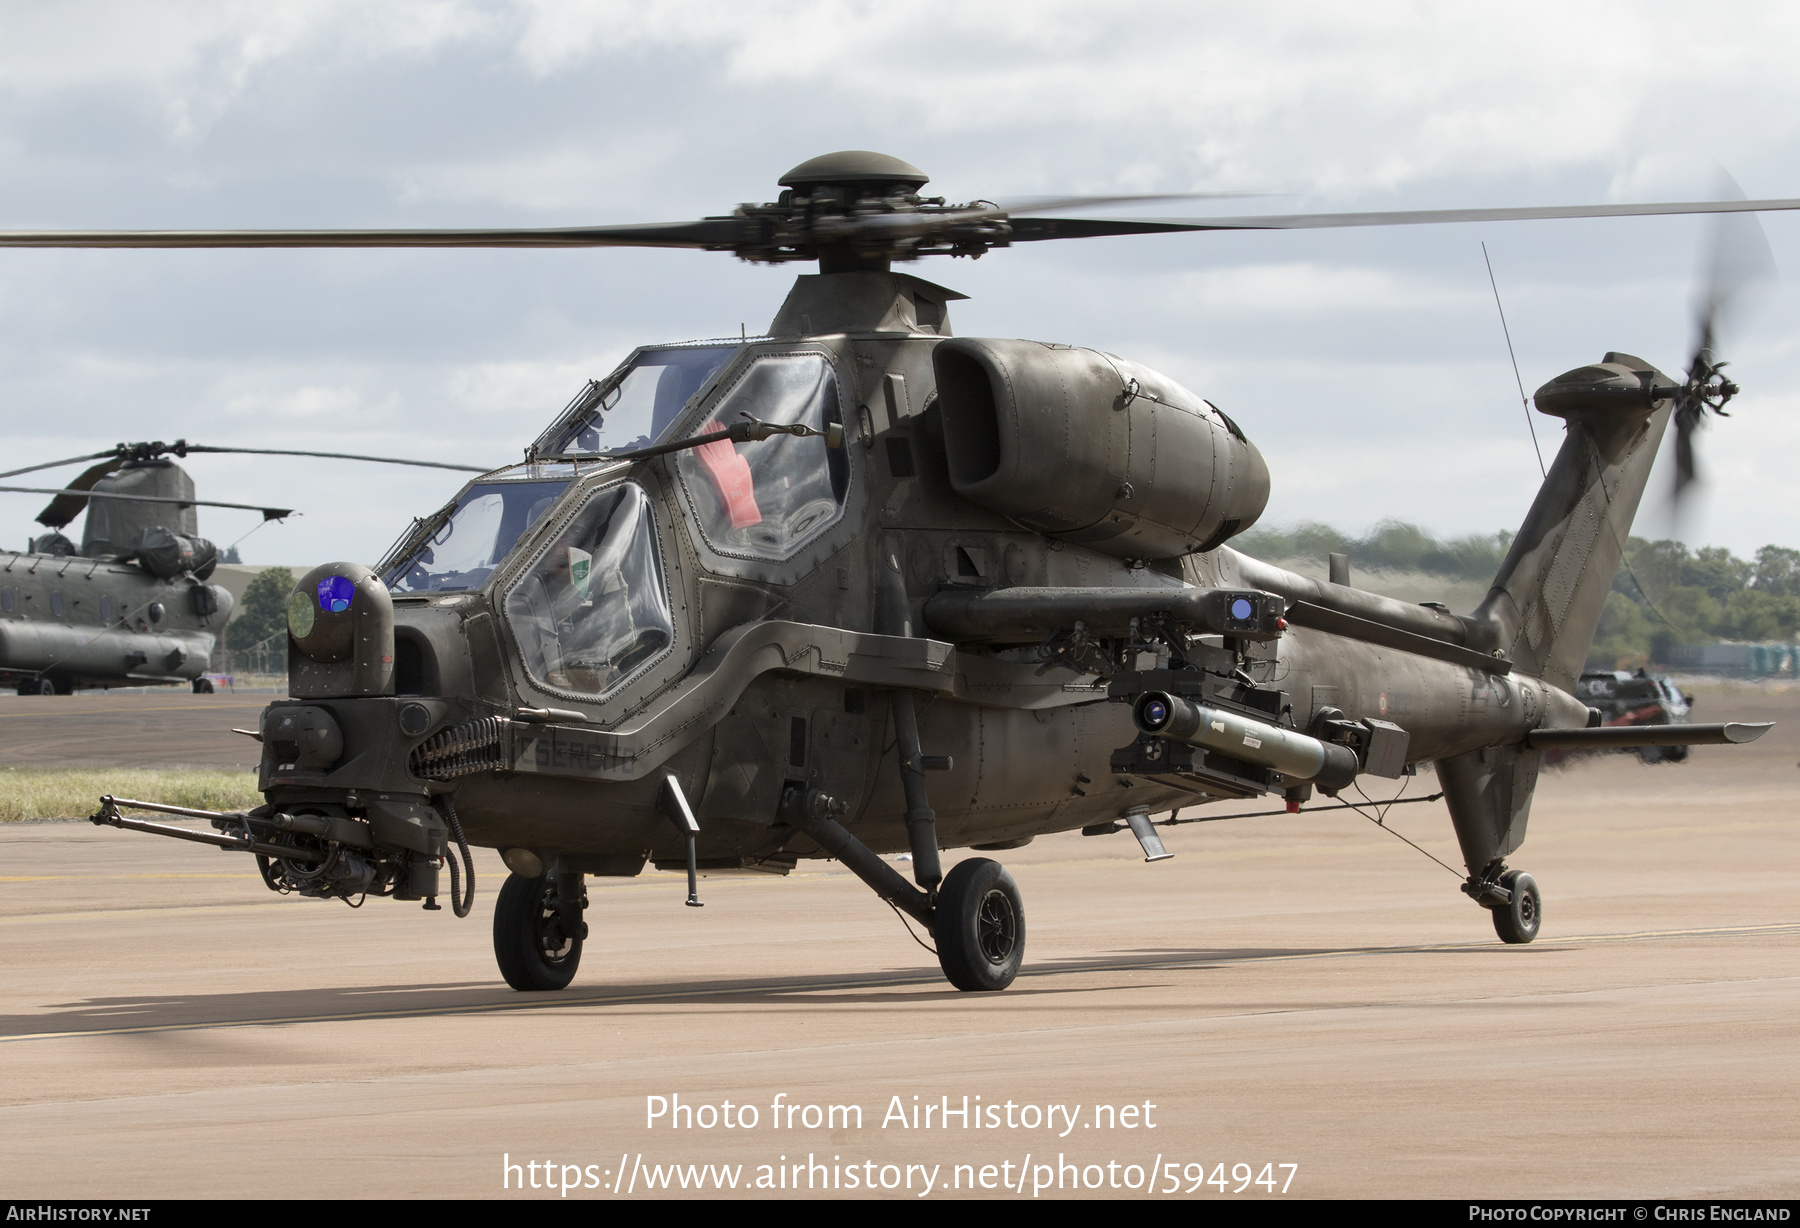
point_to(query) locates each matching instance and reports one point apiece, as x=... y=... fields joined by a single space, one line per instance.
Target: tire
x=1519 y=920
x=41 y=686
x=529 y=944
x=1674 y=754
x=979 y=926
x=203 y=686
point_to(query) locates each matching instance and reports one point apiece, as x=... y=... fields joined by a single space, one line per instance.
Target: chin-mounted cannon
x=347 y=815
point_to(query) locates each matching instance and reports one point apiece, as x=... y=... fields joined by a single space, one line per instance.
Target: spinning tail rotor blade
x=1738 y=261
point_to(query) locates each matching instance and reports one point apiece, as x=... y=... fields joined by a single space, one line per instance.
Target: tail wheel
x=1518 y=920
x=980 y=926
x=531 y=945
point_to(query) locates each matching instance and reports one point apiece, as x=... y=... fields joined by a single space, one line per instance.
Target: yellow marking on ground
x=869 y=982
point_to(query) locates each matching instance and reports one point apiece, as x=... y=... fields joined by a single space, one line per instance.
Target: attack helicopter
x=131 y=605
x=859 y=586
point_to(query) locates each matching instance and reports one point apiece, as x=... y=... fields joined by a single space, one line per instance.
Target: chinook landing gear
x=536 y=944
x=1513 y=898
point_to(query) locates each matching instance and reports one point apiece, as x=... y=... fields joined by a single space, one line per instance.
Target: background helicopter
x=729 y=580
x=131 y=604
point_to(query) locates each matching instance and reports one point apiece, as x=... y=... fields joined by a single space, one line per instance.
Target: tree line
x=1664 y=594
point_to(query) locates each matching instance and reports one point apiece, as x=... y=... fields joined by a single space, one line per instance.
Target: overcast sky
x=1369 y=366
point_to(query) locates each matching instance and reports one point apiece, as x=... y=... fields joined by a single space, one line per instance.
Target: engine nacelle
x=1093 y=449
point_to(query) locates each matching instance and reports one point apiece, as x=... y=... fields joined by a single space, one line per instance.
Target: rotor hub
x=857 y=210
x=875 y=174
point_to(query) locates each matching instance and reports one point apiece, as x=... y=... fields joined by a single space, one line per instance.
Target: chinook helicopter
x=131 y=605
x=860 y=587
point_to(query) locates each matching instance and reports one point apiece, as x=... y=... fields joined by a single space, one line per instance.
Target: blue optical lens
x=1242 y=610
x=335 y=593
x=1156 y=712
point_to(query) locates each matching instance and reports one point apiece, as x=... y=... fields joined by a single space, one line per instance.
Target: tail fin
x=1545 y=604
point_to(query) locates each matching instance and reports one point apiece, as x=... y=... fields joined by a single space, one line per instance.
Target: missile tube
x=1294 y=755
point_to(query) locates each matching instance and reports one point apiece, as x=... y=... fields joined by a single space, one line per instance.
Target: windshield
x=489 y=518
x=641 y=404
x=766 y=499
x=592 y=608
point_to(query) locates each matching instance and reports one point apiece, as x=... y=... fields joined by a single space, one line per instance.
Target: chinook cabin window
x=488 y=521
x=765 y=500
x=639 y=405
x=592 y=608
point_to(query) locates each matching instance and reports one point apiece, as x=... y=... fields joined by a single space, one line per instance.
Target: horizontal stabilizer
x=1618 y=737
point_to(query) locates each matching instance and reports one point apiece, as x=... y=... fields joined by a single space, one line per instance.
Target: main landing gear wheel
x=1518 y=920
x=979 y=926
x=530 y=945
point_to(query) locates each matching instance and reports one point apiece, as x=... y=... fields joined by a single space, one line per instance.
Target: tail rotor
x=1738 y=260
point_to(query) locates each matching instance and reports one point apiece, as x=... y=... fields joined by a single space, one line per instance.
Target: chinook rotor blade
x=73 y=498
x=69 y=460
x=380 y=460
x=268 y=513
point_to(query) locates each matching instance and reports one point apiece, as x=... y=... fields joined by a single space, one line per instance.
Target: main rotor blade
x=1055 y=204
x=71 y=460
x=708 y=232
x=1403 y=217
x=1034 y=229
x=268 y=513
x=380 y=460
x=71 y=499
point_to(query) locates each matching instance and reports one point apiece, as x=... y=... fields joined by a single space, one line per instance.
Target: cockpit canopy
x=478 y=533
x=592 y=606
x=636 y=405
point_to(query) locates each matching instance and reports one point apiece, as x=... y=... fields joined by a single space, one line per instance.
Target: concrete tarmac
x=1303 y=991
x=145 y=729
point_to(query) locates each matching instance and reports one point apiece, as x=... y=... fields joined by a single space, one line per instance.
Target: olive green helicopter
x=858 y=587
x=131 y=605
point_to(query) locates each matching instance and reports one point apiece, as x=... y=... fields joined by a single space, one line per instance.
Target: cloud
x=1370 y=362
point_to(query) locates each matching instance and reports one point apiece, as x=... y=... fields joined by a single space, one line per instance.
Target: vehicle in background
x=1637 y=698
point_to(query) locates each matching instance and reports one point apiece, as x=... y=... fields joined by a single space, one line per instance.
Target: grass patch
x=59 y=793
